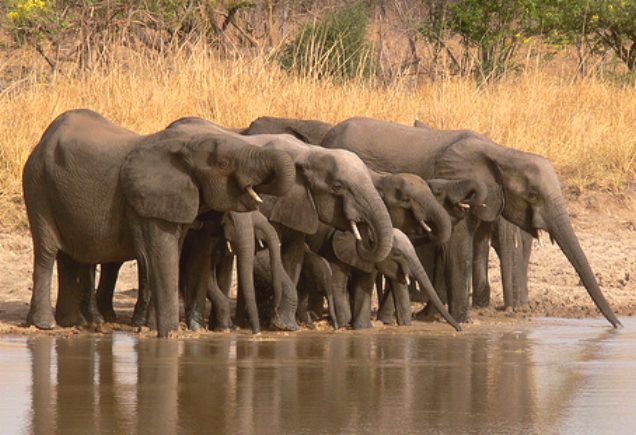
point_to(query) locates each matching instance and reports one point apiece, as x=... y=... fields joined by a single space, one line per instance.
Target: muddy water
x=554 y=376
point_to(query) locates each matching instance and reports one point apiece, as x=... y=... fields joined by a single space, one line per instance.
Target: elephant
x=522 y=187
x=351 y=273
x=98 y=193
x=513 y=247
x=238 y=237
x=331 y=187
x=307 y=130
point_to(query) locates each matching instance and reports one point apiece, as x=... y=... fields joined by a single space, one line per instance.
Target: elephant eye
x=336 y=187
x=533 y=195
x=223 y=164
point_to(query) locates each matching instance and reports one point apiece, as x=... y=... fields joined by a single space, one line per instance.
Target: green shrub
x=336 y=46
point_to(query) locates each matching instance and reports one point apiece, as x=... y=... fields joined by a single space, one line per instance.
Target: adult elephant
x=98 y=193
x=523 y=187
x=332 y=187
x=310 y=131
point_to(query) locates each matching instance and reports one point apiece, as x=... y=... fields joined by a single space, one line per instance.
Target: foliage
x=334 y=46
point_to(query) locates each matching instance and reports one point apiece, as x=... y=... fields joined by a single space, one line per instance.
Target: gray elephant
x=332 y=187
x=513 y=247
x=307 y=130
x=352 y=276
x=523 y=187
x=243 y=234
x=97 y=193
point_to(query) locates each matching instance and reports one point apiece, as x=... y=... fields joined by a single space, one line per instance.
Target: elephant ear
x=156 y=182
x=470 y=160
x=296 y=209
x=344 y=247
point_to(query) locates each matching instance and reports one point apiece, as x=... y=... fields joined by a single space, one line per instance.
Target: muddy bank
x=605 y=224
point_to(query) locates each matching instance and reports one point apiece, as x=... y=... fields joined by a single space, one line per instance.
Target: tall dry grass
x=587 y=127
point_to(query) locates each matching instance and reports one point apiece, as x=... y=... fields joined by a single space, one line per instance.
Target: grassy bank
x=587 y=128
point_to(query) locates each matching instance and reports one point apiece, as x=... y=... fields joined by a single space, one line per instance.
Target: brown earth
x=604 y=222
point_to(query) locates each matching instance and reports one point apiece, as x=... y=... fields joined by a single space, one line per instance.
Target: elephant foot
x=361 y=324
x=140 y=315
x=223 y=328
x=406 y=321
x=460 y=314
x=194 y=320
x=279 y=322
x=41 y=319
x=93 y=316
x=74 y=318
x=385 y=318
x=107 y=311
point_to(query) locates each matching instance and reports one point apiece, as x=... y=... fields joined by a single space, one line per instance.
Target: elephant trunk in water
x=425 y=283
x=276 y=169
x=273 y=246
x=560 y=228
x=375 y=246
x=245 y=272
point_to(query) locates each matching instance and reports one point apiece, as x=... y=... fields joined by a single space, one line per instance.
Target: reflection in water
x=562 y=377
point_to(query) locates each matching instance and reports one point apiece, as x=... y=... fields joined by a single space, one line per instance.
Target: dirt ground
x=604 y=222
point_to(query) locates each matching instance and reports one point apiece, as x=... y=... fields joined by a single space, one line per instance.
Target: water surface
x=556 y=376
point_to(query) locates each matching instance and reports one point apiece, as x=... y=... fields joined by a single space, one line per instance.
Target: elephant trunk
x=245 y=272
x=272 y=241
x=560 y=228
x=276 y=171
x=425 y=284
x=377 y=217
x=433 y=213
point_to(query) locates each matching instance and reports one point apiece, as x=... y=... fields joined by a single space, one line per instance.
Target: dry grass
x=587 y=128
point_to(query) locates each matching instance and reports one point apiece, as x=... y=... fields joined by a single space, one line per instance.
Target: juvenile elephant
x=97 y=193
x=307 y=130
x=523 y=187
x=332 y=187
x=352 y=275
x=241 y=235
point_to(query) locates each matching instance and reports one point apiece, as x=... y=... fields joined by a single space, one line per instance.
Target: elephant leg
x=224 y=266
x=158 y=245
x=220 y=315
x=143 y=307
x=520 y=276
x=402 y=303
x=302 y=311
x=504 y=241
x=362 y=286
x=194 y=275
x=105 y=290
x=481 y=248
x=68 y=310
x=458 y=269
x=292 y=254
x=342 y=306
x=387 y=304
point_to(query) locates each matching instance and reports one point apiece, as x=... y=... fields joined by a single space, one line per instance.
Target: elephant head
x=459 y=197
x=525 y=189
x=175 y=176
x=330 y=186
x=413 y=207
x=333 y=187
x=400 y=264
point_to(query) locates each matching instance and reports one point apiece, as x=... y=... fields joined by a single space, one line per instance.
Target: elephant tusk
x=540 y=237
x=463 y=205
x=229 y=246
x=483 y=205
x=254 y=195
x=407 y=279
x=355 y=231
x=260 y=243
x=425 y=226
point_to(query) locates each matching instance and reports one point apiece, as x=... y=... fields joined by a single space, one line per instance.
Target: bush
x=336 y=46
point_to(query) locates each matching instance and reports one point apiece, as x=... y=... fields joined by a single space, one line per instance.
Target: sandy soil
x=604 y=222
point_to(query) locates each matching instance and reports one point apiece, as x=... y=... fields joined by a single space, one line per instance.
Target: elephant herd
x=313 y=213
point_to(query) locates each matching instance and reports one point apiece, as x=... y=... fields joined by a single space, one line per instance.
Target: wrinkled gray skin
x=513 y=246
x=458 y=198
x=523 y=187
x=97 y=193
x=315 y=285
x=307 y=130
x=332 y=187
x=352 y=274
